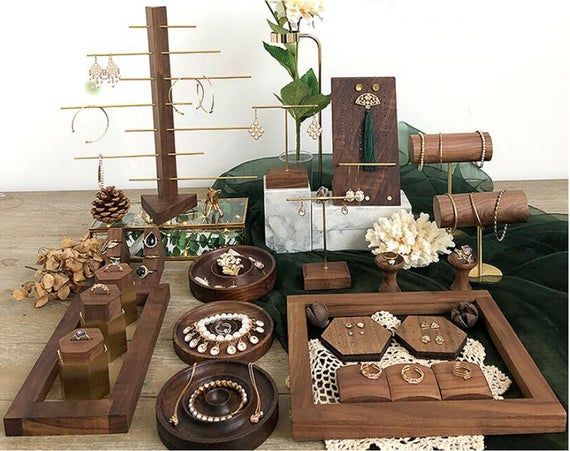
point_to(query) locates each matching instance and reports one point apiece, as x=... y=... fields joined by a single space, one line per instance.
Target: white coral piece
x=419 y=241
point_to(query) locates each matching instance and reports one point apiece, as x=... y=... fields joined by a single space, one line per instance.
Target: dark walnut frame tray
x=31 y=414
x=538 y=411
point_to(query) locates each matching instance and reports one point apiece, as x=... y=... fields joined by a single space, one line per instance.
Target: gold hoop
x=462 y=370
x=212 y=98
x=170 y=99
x=440 y=148
x=106 y=119
x=475 y=211
x=454 y=212
x=371 y=370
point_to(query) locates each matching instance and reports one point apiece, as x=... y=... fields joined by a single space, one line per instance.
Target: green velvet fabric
x=533 y=294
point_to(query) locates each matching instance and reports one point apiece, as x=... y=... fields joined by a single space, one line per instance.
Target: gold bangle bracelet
x=454 y=228
x=475 y=211
x=412 y=380
x=462 y=370
x=440 y=148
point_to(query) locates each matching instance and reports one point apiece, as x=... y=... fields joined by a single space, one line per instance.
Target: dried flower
x=419 y=241
x=63 y=271
x=307 y=10
x=230 y=262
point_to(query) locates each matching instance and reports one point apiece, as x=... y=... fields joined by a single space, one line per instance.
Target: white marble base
x=285 y=230
x=347 y=232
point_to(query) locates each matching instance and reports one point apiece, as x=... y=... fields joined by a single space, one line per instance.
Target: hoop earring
x=170 y=99
x=106 y=125
x=200 y=93
x=255 y=130
x=212 y=97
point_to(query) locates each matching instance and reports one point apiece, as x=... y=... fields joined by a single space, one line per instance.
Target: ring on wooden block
x=409 y=379
x=462 y=370
x=113 y=266
x=371 y=370
x=389 y=257
x=80 y=335
x=109 y=244
x=100 y=288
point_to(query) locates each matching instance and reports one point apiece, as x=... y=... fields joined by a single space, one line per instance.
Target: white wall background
x=460 y=65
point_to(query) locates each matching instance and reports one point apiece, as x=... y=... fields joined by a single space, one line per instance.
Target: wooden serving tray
x=31 y=414
x=537 y=411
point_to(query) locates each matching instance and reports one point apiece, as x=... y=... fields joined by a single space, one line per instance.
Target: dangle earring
x=359 y=194
x=344 y=208
x=302 y=211
x=96 y=74
x=350 y=193
x=315 y=128
x=112 y=73
x=255 y=130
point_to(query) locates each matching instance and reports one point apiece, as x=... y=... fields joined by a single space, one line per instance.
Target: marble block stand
x=347 y=232
x=285 y=230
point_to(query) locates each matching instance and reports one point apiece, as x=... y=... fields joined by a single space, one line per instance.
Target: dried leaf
x=40 y=292
x=28 y=286
x=52 y=264
x=47 y=281
x=87 y=271
x=64 y=292
x=53 y=296
x=69 y=242
x=59 y=281
x=78 y=276
x=20 y=294
x=40 y=302
x=73 y=265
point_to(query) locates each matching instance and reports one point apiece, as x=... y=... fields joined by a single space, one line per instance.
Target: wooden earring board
x=383 y=184
x=31 y=414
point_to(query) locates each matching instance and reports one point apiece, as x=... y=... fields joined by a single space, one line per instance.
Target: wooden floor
x=32 y=220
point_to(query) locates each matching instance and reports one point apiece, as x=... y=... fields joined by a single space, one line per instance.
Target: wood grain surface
x=354 y=387
x=453 y=387
x=456 y=147
x=401 y=390
x=334 y=277
x=33 y=220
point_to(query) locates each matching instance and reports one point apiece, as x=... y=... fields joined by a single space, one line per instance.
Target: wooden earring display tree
x=168 y=203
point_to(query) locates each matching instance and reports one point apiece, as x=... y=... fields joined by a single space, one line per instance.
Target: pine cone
x=465 y=315
x=110 y=205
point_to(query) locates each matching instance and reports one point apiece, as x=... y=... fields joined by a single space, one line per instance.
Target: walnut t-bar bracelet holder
x=480 y=210
x=450 y=148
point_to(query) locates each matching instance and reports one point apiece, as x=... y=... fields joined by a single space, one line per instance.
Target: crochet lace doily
x=325 y=390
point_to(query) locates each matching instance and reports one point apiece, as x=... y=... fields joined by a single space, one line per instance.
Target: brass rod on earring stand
x=91 y=55
x=326 y=263
x=216 y=77
x=137 y=79
x=234 y=177
x=450 y=178
x=178 y=103
x=324 y=198
x=137 y=130
x=199 y=129
x=190 y=52
x=270 y=107
x=480 y=251
x=162 y=26
x=125 y=105
x=286 y=140
x=368 y=164
x=139 y=155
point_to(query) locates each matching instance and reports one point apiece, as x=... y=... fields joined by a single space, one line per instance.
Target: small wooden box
x=293 y=177
x=103 y=310
x=83 y=366
x=122 y=277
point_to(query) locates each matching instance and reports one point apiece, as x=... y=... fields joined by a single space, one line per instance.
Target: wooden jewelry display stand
x=383 y=183
x=168 y=202
x=480 y=210
x=328 y=275
x=538 y=410
x=451 y=148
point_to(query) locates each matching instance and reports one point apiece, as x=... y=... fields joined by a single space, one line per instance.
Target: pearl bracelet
x=223 y=383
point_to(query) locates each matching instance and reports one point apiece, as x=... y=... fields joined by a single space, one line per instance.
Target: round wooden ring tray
x=251 y=354
x=235 y=433
x=249 y=285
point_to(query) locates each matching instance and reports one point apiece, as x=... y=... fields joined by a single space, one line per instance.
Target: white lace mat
x=325 y=390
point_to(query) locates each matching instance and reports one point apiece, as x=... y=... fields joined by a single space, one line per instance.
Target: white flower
x=419 y=241
x=303 y=9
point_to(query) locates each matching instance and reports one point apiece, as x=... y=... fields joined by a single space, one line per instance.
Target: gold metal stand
x=484 y=272
x=450 y=178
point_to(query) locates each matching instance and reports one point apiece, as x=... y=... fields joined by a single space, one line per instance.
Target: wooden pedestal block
x=286 y=178
x=453 y=387
x=354 y=387
x=462 y=268
x=426 y=390
x=431 y=337
x=336 y=276
x=357 y=338
x=161 y=210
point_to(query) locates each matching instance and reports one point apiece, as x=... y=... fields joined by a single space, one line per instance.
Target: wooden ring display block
x=537 y=411
x=444 y=339
x=251 y=284
x=354 y=343
x=426 y=390
x=354 y=387
x=278 y=178
x=30 y=414
x=453 y=387
x=251 y=354
x=462 y=268
x=334 y=277
x=235 y=433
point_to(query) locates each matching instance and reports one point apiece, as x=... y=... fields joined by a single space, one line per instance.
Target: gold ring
x=100 y=288
x=371 y=370
x=412 y=380
x=462 y=370
x=389 y=257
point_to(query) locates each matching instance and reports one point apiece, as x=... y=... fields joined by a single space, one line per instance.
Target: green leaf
x=276 y=28
x=294 y=94
x=318 y=99
x=182 y=241
x=283 y=56
x=310 y=79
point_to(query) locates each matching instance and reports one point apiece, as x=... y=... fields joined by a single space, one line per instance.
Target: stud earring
x=255 y=130
x=96 y=74
x=301 y=210
x=112 y=72
x=315 y=128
